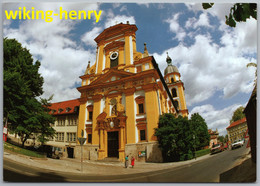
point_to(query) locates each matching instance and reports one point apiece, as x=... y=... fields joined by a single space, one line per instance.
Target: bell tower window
x=174 y=93
x=113 y=59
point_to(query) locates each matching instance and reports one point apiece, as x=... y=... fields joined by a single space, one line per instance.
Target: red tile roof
x=60 y=108
x=237 y=123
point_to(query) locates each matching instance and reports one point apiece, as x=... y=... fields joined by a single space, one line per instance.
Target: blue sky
x=210 y=56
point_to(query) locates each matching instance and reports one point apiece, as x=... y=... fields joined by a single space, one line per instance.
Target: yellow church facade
x=122 y=96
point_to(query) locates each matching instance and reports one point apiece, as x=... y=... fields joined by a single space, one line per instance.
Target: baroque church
x=122 y=96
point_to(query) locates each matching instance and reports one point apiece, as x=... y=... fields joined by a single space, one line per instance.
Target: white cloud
x=62 y=59
x=219 y=9
x=175 y=27
x=206 y=68
x=116 y=19
x=242 y=36
x=216 y=119
x=88 y=37
x=123 y=8
x=202 y=21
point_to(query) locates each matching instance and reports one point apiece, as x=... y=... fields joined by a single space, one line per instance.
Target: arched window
x=140 y=103
x=172 y=80
x=174 y=92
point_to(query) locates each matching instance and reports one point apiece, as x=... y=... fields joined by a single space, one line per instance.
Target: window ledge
x=141 y=114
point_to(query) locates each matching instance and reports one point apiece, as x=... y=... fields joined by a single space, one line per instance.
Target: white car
x=237 y=143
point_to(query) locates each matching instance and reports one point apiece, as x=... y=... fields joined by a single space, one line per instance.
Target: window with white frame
x=60 y=136
x=71 y=136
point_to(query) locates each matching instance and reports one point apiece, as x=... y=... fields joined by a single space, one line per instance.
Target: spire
x=88 y=67
x=168 y=60
x=145 y=54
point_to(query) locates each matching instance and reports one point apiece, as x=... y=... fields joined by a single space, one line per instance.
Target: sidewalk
x=94 y=167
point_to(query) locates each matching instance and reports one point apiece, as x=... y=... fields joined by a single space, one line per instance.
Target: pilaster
x=82 y=114
x=130 y=112
x=152 y=111
x=96 y=112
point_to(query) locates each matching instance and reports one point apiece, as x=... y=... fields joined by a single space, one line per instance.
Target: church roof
x=170 y=69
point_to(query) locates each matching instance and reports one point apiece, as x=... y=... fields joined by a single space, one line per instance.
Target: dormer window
x=60 y=110
x=53 y=111
x=68 y=109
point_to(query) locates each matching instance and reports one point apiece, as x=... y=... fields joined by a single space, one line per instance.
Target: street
x=206 y=170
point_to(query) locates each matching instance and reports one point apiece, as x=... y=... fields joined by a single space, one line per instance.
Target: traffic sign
x=82 y=140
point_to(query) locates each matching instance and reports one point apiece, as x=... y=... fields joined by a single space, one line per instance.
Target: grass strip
x=20 y=150
x=202 y=152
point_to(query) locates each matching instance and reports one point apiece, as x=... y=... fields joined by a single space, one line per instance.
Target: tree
x=200 y=130
x=238 y=114
x=45 y=130
x=175 y=138
x=239 y=12
x=223 y=139
x=22 y=85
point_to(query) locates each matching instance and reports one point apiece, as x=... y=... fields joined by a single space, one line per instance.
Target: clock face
x=114 y=55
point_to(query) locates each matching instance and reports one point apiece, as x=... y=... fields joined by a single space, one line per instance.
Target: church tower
x=122 y=96
x=176 y=87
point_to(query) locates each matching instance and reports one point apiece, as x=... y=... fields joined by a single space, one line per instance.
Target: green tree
x=239 y=12
x=223 y=139
x=45 y=129
x=200 y=130
x=175 y=138
x=22 y=85
x=238 y=114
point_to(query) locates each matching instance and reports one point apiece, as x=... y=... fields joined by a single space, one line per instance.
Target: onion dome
x=170 y=68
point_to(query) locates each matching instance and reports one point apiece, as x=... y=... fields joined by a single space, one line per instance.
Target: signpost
x=5 y=134
x=81 y=142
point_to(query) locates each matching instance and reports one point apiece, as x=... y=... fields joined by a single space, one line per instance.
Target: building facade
x=122 y=96
x=237 y=130
x=213 y=137
x=66 y=115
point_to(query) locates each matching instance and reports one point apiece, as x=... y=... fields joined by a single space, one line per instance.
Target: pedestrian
x=126 y=161
x=133 y=161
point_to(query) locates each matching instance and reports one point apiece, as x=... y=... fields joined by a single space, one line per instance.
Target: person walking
x=133 y=161
x=126 y=161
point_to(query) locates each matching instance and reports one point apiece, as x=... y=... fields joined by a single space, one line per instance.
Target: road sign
x=82 y=140
x=5 y=130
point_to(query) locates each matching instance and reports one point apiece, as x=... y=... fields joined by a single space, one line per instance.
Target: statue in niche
x=120 y=107
x=113 y=103
x=114 y=110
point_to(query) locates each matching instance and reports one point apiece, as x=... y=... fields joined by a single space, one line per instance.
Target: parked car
x=53 y=152
x=237 y=143
x=216 y=148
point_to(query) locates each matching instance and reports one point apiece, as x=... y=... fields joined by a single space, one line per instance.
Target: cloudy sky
x=210 y=56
